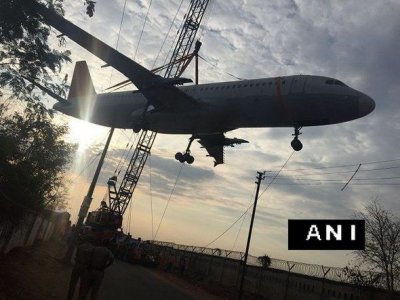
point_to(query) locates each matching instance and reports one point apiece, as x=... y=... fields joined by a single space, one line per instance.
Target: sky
x=354 y=41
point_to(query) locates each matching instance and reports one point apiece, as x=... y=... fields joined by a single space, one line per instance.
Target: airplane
x=205 y=111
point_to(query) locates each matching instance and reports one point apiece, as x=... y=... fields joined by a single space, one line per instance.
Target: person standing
x=82 y=261
x=101 y=259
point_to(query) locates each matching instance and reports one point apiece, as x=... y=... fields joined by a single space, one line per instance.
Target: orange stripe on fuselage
x=281 y=100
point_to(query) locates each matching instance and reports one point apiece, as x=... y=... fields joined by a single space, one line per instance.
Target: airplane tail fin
x=81 y=85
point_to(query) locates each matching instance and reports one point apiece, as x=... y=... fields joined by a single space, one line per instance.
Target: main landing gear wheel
x=185 y=157
x=296 y=144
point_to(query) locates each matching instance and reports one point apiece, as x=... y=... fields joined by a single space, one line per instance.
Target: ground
x=37 y=273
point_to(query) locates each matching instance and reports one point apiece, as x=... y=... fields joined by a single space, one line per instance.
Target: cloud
x=354 y=41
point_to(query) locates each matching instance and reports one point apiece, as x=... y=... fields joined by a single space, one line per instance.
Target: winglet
x=81 y=85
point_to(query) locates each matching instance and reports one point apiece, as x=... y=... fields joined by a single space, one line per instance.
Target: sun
x=85 y=134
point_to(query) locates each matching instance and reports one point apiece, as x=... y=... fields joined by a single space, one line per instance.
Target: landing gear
x=296 y=144
x=136 y=129
x=185 y=157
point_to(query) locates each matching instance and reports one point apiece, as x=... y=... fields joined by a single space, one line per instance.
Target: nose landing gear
x=185 y=157
x=296 y=144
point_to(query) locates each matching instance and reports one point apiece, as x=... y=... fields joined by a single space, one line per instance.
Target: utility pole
x=87 y=200
x=260 y=176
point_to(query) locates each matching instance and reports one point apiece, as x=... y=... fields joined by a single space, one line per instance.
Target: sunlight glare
x=85 y=133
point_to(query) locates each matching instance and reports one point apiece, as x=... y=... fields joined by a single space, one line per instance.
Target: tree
x=90 y=7
x=264 y=261
x=33 y=160
x=362 y=278
x=382 y=242
x=25 y=48
x=33 y=155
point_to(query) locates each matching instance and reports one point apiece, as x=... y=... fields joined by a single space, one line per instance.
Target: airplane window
x=283 y=82
x=329 y=81
x=264 y=83
x=245 y=85
x=251 y=84
x=337 y=82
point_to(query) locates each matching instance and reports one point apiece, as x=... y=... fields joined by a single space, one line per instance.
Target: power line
x=339 y=183
x=245 y=212
x=343 y=166
x=277 y=174
x=341 y=180
x=241 y=224
x=226 y=230
x=339 y=172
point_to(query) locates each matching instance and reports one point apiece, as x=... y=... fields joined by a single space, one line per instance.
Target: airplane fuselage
x=300 y=100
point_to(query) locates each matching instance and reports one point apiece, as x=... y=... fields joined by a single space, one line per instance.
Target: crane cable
x=206 y=19
x=151 y=200
x=218 y=68
x=169 y=199
x=166 y=36
x=129 y=217
x=174 y=42
x=118 y=37
x=141 y=33
x=90 y=162
x=111 y=74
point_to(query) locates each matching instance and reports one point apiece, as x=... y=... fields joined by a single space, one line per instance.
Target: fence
x=35 y=226
x=281 y=280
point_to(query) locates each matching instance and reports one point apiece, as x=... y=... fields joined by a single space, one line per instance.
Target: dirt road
x=37 y=273
x=126 y=281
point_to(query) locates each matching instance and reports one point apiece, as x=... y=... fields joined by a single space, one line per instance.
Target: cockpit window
x=329 y=81
x=335 y=82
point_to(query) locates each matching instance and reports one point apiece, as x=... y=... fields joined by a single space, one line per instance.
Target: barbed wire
x=313 y=270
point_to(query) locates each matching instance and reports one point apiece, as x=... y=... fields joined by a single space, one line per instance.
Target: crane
x=110 y=216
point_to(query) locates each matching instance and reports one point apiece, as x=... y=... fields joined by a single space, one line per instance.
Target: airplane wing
x=215 y=143
x=159 y=91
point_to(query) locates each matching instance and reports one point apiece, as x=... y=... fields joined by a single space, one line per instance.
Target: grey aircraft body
x=205 y=111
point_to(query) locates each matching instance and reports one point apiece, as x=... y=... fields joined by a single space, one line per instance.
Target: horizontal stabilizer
x=81 y=85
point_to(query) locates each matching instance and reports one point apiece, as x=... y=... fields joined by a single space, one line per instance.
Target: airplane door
x=298 y=84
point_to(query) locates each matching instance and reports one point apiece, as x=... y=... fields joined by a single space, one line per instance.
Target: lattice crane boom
x=119 y=198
